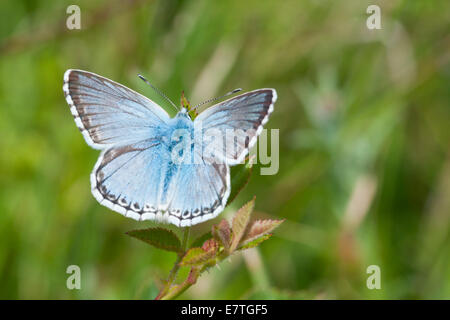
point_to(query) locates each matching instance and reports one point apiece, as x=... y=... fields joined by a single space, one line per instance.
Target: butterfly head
x=184 y=113
x=186 y=107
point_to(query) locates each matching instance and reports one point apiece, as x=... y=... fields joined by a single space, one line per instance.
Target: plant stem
x=186 y=284
x=176 y=267
x=184 y=244
x=194 y=274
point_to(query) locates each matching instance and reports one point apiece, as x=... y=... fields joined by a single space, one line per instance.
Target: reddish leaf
x=222 y=232
x=259 y=228
x=210 y=246
x=240 y=221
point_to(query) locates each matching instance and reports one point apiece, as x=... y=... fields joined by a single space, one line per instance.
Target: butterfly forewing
x=108 y=113
x=238 y=122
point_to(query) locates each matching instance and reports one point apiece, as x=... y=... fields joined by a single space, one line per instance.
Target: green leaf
x=158 y=237
x=255 y=242
x=258 y=228
x=222 y=232
x=240 y=175
x=200 y=240
x=240 y=221
x=197 y=256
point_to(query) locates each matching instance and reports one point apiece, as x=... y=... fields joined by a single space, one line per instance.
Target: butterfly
x=136 y=174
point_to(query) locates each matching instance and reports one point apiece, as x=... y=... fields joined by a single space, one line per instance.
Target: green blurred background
x=364 y=175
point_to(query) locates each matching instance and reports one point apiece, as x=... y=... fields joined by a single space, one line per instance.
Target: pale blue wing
x=129 y=179
x=135 y=174
x=141 y=182
x=239 y=121
x=108 y=113
x=199 y=193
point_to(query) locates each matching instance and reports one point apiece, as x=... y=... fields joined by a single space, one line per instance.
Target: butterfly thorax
x=180 y=134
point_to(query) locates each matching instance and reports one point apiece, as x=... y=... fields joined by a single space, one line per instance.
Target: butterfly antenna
x=221 y=97
x=158 y=91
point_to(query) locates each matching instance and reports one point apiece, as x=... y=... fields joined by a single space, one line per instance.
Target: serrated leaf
x=222 y=232
x=240 y=175
x=197 y=256
x=158 y=237
x=240 y=221
x=255 y=242
x=200 y=240
x=260 y=227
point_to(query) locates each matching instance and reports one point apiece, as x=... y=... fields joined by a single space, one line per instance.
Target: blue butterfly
x=136 y=174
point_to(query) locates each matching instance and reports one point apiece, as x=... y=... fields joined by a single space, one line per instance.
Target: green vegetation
x=364 y=153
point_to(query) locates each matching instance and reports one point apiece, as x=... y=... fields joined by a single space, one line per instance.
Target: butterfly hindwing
x=200 y=193
x=129 y=179
x=142 y=182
